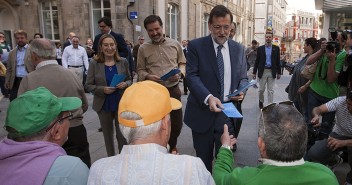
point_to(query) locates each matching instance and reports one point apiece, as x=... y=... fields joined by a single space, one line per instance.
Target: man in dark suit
x=267 y=65
x=69 y=40
x=105 y=26
x=215 y=67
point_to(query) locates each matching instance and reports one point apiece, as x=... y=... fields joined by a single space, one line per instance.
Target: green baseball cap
x=35 y=110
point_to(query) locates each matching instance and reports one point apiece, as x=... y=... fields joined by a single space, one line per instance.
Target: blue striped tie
x=220 y=61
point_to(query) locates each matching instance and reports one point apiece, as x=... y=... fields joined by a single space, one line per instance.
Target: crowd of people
x=47 y=83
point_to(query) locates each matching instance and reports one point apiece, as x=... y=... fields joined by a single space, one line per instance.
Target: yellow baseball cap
x=150 y=100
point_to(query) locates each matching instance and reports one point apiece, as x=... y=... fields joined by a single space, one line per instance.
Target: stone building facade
x=270 y=14
x=183 y=19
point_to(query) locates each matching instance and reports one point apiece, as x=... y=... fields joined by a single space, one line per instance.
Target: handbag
x=309 y=70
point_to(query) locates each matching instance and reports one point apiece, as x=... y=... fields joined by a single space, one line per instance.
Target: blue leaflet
x=231 y=111
x=117 y=79
x=170 y=74
x=243 y=88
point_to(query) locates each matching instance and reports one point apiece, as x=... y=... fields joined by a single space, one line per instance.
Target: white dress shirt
x=75 y=57
x=149 y=164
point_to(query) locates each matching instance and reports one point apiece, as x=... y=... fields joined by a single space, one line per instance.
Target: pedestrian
x=37 y=123
x=75 y=58
x=62 y=83
x=144 y=117
x=19 y=64
x=282 y=139
x=267 y=68
x=104 y=66
x=155 y=59
x=216 y=67
x=105 y=26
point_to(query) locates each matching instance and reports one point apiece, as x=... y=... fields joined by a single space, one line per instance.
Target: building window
x=205 y=29
x=172 y=13
x=100 y=8
x=49 y=15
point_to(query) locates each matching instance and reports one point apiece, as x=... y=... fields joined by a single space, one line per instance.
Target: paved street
x=246 y=154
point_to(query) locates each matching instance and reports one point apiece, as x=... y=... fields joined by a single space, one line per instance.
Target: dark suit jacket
x=121 y=44
x=203 y=79
x=66 y=43
x=259 y=64
x=96 y=80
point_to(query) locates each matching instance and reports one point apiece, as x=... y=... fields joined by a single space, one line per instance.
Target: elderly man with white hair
x=144 y=117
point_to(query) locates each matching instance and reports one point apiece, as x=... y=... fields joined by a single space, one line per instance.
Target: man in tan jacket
x=19 y=64
x=62 y=83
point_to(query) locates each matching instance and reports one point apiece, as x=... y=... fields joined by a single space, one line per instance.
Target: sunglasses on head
x=270 y=107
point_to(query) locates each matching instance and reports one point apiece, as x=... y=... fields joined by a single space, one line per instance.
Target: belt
x=75 y=66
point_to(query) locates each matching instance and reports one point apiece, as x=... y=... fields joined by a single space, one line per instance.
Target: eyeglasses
x=70 y=116
x=218 y=27
x=270 y=107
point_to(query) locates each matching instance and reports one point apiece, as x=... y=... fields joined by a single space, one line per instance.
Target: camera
x=289 y=67
x=349 y=57
x=333 y=45
x=320 y=133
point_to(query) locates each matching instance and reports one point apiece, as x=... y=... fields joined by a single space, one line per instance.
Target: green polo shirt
x=320 y=83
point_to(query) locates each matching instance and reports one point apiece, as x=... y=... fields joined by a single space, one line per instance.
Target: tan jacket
x=2 y=69
x=61 y=82
x=96 y=80
x=11 y=66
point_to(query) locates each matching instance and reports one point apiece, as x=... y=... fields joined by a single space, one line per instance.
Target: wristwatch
x=226 y=146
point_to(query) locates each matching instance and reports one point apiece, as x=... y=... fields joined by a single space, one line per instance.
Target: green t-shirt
x=320 y=83
x=308 y=173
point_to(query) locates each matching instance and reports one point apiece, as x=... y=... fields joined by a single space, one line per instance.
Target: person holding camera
x=324 y=86
x=297 y=88
x=326 y=151
x=345 y=77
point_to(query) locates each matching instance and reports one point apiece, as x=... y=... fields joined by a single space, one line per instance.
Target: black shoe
x=100 y=130
x=261 y=105
x=234 y=148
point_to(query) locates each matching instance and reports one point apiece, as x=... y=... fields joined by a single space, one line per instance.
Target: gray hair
x=284 y=133
x=141 y=132
x=44 y=48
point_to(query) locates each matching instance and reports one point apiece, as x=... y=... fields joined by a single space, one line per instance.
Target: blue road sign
x=133 y=15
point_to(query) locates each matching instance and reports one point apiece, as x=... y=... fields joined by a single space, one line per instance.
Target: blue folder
x=170 y=74
x=243 y=88
x=118 y=78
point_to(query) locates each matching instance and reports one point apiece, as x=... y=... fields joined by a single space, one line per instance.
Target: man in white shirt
x=145 y=160
x=75 y=58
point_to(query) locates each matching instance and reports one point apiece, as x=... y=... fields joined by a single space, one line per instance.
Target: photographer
x=345 y=76
x=325 y=151
x=324 y=86
x=297 y=88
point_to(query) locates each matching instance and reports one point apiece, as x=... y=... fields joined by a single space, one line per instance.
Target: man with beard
x=216 y=67
x=155 y=59
x=19 y=64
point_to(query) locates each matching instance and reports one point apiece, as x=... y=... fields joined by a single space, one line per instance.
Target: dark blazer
x=96 y=80
x=259 y=64
x=121 y=44
x=66 y=43
x=203 y=79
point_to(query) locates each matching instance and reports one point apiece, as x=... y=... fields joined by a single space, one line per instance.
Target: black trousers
x=235 y=124
x=77 y=144
x=176 y=117
x=14 y=90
